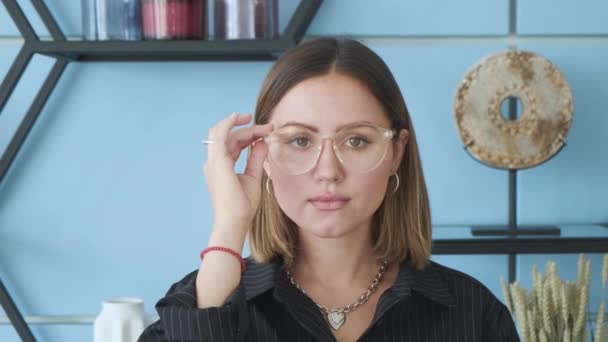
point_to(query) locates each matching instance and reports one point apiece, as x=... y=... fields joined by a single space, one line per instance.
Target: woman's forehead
x=329 y=98
x=331 y=94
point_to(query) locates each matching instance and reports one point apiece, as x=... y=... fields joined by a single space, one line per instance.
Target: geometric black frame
x=65 y=51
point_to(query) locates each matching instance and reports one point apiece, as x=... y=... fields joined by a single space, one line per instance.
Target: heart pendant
x=336 y=319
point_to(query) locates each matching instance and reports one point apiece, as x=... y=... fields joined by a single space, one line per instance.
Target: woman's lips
x=329 y=202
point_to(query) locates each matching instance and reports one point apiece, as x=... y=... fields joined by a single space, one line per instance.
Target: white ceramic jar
x=120 y=320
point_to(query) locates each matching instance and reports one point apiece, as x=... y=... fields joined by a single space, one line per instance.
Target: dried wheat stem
x=567 y=335
x=581 y=268
x=564 y=308
x=531 y=327
x=555 y=292
x=599 y=323
x=584 y=338
x=572 y=295
x=537 y=282
x=541 y=336
x=546 y=309
x=505 y=293
x=519 y=310
x=582 y=307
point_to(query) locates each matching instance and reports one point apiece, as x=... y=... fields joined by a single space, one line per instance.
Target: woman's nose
x=328 y=165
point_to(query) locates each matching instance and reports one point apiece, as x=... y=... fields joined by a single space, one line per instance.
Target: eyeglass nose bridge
x=334 y=148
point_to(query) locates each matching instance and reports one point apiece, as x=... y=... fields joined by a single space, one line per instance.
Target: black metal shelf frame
x=65 y=51
x=521 y=246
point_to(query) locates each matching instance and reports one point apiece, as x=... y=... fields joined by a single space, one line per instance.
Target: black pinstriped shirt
x=433 y=304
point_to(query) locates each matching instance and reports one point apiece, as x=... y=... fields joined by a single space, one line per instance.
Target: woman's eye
x=356 y=141
x=300 y=141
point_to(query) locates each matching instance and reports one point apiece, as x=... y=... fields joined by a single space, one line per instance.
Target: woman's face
x=326 y=103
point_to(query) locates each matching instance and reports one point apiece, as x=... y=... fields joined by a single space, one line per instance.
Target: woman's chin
x=326 y=230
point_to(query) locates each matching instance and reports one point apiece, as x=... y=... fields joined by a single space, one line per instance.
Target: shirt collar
x=259 y=277
x=428 y=282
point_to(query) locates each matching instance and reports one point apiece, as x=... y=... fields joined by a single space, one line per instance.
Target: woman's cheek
x=288 y=194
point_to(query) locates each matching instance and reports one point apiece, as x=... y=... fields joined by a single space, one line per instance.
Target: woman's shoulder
x=475 y=301
x=463 y=284
x=452 y=273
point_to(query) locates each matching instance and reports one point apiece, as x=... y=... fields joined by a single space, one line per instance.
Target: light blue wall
x=107 y=196
x=562 y=17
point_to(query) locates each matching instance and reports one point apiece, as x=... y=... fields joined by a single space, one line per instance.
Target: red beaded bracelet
x=227 y=250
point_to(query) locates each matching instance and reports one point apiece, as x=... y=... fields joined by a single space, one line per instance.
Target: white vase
x=120 y=320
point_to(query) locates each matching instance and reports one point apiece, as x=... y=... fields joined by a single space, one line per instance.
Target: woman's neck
x=336 y=263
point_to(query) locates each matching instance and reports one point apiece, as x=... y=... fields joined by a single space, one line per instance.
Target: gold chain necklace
x=337 y=317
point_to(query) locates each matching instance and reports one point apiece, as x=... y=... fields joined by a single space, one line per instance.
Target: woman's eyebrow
x=315 y=129
x=300 y=124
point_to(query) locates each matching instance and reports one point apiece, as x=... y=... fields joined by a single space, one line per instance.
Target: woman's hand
x=235 y=197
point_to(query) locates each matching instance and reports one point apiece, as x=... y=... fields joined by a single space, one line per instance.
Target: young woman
x=335 y=203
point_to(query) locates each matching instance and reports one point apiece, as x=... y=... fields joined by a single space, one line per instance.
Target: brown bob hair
x=402 y=223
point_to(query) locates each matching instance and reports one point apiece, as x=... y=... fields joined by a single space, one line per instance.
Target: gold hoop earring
x=396 y=185
x=267 y=187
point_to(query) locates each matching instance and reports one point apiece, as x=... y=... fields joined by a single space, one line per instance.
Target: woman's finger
x=236 y=153
x=255 y=162
x=242 y=138
x=219 y=133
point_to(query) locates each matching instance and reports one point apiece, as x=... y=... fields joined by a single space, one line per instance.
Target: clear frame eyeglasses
x=359 y=147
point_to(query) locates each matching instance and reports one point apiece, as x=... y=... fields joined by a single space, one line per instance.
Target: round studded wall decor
x=540 y=130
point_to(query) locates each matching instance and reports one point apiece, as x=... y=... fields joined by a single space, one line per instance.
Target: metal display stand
x=509 y=239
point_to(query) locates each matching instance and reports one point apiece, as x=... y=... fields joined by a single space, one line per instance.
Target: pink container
x=174 y=19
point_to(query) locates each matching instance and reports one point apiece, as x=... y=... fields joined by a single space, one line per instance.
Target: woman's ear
x=400 y=148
